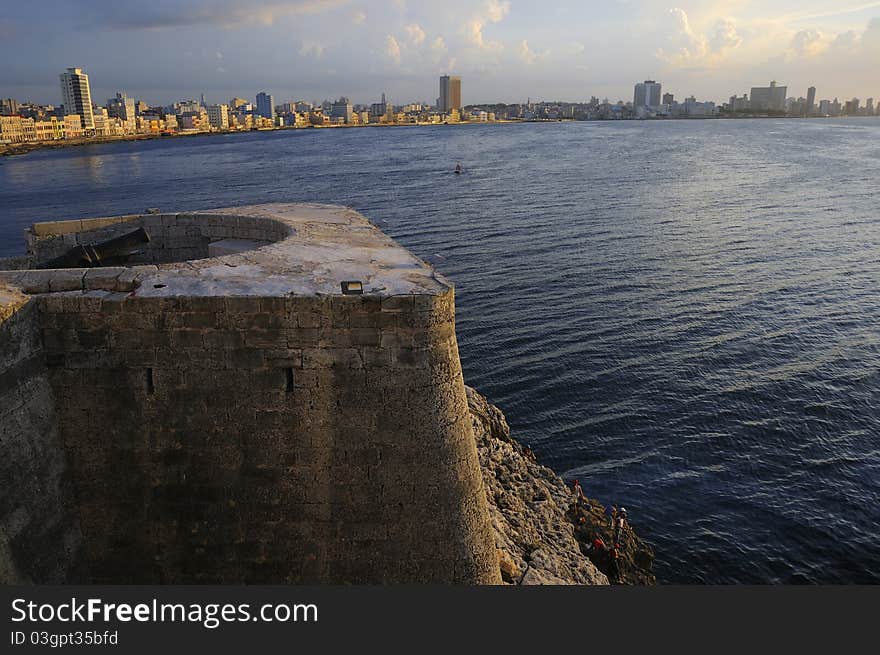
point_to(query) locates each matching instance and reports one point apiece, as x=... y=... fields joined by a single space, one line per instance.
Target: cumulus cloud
x=529 y=56
x=725 y=36
x=687 y=47
x=162 y=14
x=807 y=43
x=492 y=11
x=392 y=48
x=416 y=34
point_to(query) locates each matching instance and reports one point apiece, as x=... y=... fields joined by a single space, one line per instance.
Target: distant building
x=77 y=97
x=824 y=107
x=811 y=101
x=218 y=116
x=380 y=108
x=851 y=108
x=869 y=107
x=342 y=109
x=646 y=94
x=121 y=107
x=668 y=98
x=265 y=105
x=450 y=93
x=768 y=98
x=8 y=106
x=235 y=103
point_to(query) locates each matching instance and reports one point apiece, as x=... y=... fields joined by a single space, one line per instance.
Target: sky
x=505 y=50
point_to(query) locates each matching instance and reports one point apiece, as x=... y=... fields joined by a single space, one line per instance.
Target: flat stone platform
x=313 y=249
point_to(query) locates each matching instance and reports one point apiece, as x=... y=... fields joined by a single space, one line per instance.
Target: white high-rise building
x=218 y=116
x=647 y=94
x=77 y=97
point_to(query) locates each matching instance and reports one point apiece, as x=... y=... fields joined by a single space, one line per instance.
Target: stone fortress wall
x=237 y=418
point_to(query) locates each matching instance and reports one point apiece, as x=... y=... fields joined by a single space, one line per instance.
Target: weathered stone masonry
x=238 y=419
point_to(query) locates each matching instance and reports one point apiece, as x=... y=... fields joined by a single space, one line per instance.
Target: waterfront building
x=73 y=126
x=237 y=103
x=218 y=116
x=668 y=98
x=768 y=98
x=869 y=107
x=450 y=94
x=102 y=121
x=50 y=129
x=194 y=121
x=824 y=107
x=851 y=108
x=811 y=101
x=265 y=105
x=77 y=97
x=11 y=129
x=647 y=94
x=342 y=109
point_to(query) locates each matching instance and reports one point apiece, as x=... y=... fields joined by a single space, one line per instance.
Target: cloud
x=688 y=48
x=807 y=43
x=164 y=14
x=416 y=34
x=492 y=11
x=392 y=48
x=725 y=36
x=311 y=49
x=529 y=56
x=358 y=17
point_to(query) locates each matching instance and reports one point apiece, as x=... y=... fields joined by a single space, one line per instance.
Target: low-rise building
x=73 y=128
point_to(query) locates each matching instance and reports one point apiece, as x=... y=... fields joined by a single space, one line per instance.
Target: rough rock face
x=542 y=534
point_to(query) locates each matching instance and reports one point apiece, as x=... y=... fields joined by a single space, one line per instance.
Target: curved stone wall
x=240 y=420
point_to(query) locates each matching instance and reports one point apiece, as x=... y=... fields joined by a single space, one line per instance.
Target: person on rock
x=614 y=569
x=578 y=491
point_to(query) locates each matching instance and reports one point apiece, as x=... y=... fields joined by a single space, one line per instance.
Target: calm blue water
x=684 y=315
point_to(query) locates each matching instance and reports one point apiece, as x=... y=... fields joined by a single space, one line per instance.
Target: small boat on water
x=458 y=169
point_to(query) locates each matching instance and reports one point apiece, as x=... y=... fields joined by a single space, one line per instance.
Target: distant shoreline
x=12 y=149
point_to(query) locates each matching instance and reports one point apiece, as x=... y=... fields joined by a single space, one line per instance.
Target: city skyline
x=508 y=51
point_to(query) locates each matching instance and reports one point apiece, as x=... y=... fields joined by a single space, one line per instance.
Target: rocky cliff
x=543 y=534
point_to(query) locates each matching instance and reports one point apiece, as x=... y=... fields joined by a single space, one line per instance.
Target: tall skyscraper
x=811 y=101
x=647 y=94
x=768 y=98
x=77 y=97
x=265 y=105
x=450 y=93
